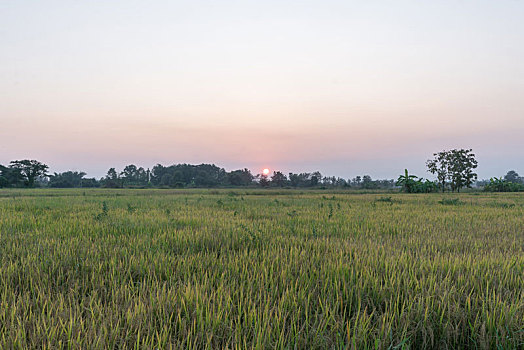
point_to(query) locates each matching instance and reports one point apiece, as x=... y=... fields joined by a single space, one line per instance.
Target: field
x=260 y=269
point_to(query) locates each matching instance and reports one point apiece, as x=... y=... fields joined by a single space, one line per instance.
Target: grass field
x=260 y=269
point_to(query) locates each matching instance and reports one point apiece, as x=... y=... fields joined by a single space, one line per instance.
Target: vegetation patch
x=502 y=205
x=450 y=201
x=387 y=199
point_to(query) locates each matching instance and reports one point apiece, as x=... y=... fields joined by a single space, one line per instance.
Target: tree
x=439 y=167
x=133 y=175
x=112 y=174
x=456 y=166
x=461 y=165
x=4 y=181
x=156 y=174
x=88 y=183
x=66 y=179
x=264 y=181
x=278 y=178
x=166 y=180
x=406 y=181
x=513 y=176
x=10 y=177
x=293 y=179
x=29 y=169
x=130 y=174
x=142 y=176
x=340 y=182
x=368 y=183
x=112 y=180
x=316 y=178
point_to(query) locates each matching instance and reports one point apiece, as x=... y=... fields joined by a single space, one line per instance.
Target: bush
x=414 y=184
x=501 y=185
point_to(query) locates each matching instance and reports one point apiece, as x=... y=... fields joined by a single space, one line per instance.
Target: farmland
x=260 y=269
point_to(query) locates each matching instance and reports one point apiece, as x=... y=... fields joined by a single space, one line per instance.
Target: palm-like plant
x=406 y=181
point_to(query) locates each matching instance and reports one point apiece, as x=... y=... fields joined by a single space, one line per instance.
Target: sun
x=265 y=171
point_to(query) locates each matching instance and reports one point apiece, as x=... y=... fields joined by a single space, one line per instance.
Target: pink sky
x=346 y=88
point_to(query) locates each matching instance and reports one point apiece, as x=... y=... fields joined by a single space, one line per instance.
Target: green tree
x=142 y=176
x=316 y=178
x=368 y=183
x=439 y=166
x=455 y=165
x=406 y=181
x=66 y=179
x=462 y=163
x=278 y=178
x=12 y=177
x=264 y=181
x=29 y=169
x=112 y=180
x=129 y=175
x=89 y=183
x=4 y=180
x=294 y=179
x=112 y=174
x=513 y=176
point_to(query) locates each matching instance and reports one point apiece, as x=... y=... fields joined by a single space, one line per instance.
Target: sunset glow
x=265 y=171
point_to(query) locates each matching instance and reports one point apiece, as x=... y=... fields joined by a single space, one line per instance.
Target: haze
x=344 y=87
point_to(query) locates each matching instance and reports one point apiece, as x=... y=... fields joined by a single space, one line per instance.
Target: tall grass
x=200 y=269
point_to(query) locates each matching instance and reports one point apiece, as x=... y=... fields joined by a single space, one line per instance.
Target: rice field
x=198 y=269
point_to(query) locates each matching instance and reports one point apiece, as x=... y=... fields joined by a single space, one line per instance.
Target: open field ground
x=263 y=269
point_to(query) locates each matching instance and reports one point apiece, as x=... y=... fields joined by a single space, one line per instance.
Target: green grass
x=260 y=269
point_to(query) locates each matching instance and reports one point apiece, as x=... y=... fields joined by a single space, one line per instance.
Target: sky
x=344 y=87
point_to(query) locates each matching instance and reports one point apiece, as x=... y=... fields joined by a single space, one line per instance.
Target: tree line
x=453 y=169
x=32 y=173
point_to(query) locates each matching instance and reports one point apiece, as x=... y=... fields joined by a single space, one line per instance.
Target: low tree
x=30 y=170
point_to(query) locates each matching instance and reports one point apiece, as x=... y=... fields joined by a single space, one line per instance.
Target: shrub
x=501 y=185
